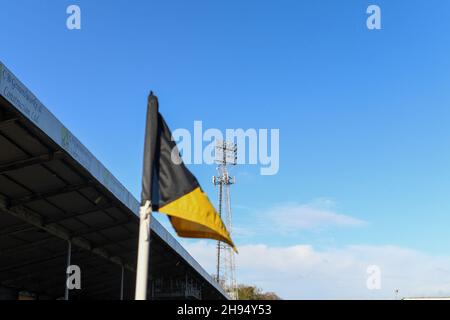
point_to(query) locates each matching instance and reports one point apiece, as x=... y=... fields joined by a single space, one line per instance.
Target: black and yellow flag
x=172 y=188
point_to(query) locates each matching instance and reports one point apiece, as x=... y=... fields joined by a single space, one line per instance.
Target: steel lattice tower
x=226 y=155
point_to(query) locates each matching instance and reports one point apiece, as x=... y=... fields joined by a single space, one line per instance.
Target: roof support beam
x=134 y=237
x=39 y=222
x=102 y=228
x=71 y=215
x=7 y=122
x=16 y=229
x=20 y=164
x=40 y=196
x=31 y=262
x=17 y=250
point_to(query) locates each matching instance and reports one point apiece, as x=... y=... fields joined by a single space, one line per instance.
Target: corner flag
x=171 y=188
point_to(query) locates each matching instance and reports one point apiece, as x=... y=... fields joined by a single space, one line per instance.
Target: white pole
x=121 y=283
x=69 y=256
x=143 y=252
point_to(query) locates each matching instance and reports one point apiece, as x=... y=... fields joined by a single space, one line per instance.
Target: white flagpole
x=143 y=252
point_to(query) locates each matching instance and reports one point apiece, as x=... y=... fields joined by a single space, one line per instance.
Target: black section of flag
x=168 y=179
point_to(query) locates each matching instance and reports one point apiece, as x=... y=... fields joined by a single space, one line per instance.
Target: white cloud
x=288 y=219
x=302 y=272
x=310 y=216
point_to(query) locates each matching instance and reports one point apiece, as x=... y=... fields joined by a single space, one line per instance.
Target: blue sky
x=363 y=115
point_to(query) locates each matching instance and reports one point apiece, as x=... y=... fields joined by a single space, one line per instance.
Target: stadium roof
x=53 y=190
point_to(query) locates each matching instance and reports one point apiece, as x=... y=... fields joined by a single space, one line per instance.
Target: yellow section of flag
x=193 y=216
